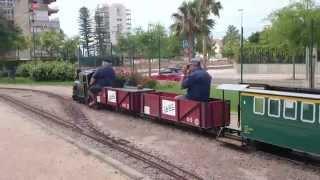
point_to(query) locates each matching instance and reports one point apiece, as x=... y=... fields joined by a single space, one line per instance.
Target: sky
x=160 y=11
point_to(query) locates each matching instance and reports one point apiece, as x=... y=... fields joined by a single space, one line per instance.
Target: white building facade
x=42 y=21
x=117 y=19
x=33 y=17
x=7 y=8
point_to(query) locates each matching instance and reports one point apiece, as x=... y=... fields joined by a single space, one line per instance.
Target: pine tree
x=86 y=34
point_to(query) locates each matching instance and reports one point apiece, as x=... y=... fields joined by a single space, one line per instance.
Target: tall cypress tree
x=86 y=34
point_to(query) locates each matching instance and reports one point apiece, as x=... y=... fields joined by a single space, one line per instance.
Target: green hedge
x=255 y=54
x=47 y=71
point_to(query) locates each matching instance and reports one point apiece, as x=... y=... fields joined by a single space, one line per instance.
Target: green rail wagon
x=284 y=117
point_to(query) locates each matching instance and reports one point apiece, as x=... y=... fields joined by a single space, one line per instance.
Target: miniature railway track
x=81 y=125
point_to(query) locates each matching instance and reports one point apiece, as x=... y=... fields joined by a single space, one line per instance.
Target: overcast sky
x=153 y=11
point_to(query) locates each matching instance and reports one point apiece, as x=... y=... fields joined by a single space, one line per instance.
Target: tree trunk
x=205 y=53
x=67 y=55
x=294 y=67
x=87 y=44
x=133 y=68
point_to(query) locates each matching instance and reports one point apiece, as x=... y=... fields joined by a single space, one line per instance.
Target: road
x=222 y=76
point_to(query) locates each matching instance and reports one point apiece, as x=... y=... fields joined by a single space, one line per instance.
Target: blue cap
x=195 y=61
x=107 y=60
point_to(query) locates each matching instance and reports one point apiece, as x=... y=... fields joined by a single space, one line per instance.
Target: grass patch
x=215 y=93
x=27 y=81
x=171 y=88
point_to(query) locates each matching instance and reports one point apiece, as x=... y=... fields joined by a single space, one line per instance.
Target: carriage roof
x=272 y=90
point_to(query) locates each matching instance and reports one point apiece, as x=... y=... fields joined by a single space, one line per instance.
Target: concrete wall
x=274 y=68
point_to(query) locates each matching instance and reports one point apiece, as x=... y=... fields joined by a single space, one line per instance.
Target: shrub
x=3 y=74
x=119 y=81
x=24 y=70
x=63 y=71
x=149 y=83
x=47 y=71
x=134 y=79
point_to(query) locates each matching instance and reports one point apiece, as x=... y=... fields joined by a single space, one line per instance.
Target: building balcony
x=44 y=7
x=52 y=24
x=52 y=11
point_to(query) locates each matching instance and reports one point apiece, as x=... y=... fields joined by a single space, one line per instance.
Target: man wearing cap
x=103 y=77
x=197 y=81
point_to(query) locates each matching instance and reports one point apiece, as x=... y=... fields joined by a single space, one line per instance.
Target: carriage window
x=274 y=108
x=290 y=110
x=308 y=112
x=258 y=105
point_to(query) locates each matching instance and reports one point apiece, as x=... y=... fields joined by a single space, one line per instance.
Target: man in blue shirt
x=197 y=81
x=103 y=77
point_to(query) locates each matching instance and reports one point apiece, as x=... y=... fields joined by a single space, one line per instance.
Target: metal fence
x=93 y=61
x=276 y=66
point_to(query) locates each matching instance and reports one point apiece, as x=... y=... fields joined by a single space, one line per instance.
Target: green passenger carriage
x=284 y=117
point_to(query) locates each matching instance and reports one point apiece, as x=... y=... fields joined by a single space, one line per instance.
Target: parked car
x=169 y=74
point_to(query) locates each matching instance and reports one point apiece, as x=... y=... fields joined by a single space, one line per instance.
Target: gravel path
x=195 y=152
x=27 y=151
x=199 y=153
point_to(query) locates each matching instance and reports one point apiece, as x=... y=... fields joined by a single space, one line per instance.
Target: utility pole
x=33 y=34
x=133 y=57
x=293 y=60
x=311 y=57
x=111 y=48
x=79 y=54
x=241 y=47
x=159 y=46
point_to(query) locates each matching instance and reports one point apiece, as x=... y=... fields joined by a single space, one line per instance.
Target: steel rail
x=91 y=132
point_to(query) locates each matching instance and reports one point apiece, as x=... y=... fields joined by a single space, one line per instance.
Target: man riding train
x=197 y=81
x=104 y=76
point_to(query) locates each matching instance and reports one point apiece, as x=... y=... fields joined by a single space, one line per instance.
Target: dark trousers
x=93 y=91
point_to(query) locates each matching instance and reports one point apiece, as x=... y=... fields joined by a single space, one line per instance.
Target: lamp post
x=312 y=59
x=111 y=48
x=241 y=46
x=159 y=46
x=32 y=24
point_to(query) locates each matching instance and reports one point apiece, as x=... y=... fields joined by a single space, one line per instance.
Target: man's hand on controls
x=186 y=70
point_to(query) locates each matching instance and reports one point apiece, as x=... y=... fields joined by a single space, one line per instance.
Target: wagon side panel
x=190 y=113
x=151 y=104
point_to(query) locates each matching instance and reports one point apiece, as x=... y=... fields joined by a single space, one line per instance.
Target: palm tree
x=185 y=24
x=206 y=8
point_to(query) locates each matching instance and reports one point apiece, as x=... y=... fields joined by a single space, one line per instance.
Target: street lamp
x=159 y=48
x=241 y=46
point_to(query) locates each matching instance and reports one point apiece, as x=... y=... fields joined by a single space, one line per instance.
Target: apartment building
x=7 y=9
x=33 y=17
x=117 y=19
